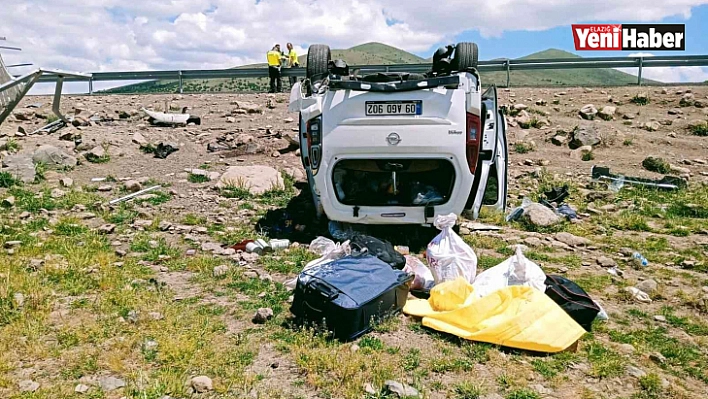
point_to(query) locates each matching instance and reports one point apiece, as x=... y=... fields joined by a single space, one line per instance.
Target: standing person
x=274 y=56
x=292 y=62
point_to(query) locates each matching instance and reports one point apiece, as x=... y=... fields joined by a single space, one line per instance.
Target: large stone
x=53 y=157
x=588 y=112
x=257 y=179
x=651 y=126
x=28 y=386
x=540 y=216
x=262 y=315
x=584 y=135
x=607 y=112
x=202 y=384
x=572 y=240
x=559 y=140
x=139 y=139
x=606 y=261
x=21 y=167
x=401 y=390
x=110 y=383
x=132 y=186
x=249 y=107
x=649 y=286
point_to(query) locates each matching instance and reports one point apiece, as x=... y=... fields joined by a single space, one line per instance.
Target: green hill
x=562 y=77
x=382 y=54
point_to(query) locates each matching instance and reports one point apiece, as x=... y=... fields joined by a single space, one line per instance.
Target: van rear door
x=492 y=168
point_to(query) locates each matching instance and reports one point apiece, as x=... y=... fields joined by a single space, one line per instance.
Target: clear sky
x=112 y=35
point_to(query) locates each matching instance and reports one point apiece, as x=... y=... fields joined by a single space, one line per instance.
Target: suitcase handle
x=323 y=289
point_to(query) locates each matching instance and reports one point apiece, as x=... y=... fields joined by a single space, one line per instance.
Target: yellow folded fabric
x=516 y=316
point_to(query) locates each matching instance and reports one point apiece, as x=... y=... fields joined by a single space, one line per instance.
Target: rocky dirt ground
x=145 y=299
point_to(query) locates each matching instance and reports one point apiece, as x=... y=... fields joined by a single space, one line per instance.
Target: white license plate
x=387 y=108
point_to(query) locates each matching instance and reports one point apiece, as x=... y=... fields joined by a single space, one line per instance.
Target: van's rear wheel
x=466 y=56
x=318 y=57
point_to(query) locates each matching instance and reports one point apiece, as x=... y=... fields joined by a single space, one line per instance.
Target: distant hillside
x=378 y=53
x=562 y=77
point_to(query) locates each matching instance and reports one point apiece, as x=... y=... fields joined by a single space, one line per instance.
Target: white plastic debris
x=448 y=255
x=516 y=270
x=424 y=279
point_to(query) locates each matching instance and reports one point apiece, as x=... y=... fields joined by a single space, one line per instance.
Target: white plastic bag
x=424 y=279
x=448 y=256
x=516 y=270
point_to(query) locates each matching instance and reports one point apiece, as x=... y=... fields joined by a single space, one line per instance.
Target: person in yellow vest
x=292 y=62
x=274 y=57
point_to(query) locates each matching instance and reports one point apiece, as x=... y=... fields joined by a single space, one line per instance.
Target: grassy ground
x=73 y=309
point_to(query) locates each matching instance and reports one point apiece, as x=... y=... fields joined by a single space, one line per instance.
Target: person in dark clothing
x=274 y=59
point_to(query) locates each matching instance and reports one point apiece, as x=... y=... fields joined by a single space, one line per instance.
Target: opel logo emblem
x=393 y=138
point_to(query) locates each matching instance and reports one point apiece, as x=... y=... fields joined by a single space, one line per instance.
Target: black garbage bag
x=381 y=249
x=573 y=299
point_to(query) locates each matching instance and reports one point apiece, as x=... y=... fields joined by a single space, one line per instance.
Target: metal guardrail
x=500 y=65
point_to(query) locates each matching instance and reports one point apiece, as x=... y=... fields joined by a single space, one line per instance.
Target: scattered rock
x=533 y=241
x=660 y=318
x=21 y=167
x=605 y=261
x=202 y=384
x=110 y=383
x=28 y=386
x=651 y=126
x=649 y=286
x=657 y=357
x=96 y=154
x=588 y=112
x=401 y=390
x=81 y=388
x=132 y=186
x=541 y=216
x=57 y=193
x=249 y=107
x=572 y=240
x=19 y=299
x=220 y=270
x=105 y=188
x=675 y=111
x=607 y=112
x=140 y=140
x=262 y=315
x=8 y=202
x=53 y=157
x=257 y=179
x=679 y=170
x=635 y=372
x=580 y=152
x=586 y=135
x=559 y=140
x=107 y=228
x=66 y=182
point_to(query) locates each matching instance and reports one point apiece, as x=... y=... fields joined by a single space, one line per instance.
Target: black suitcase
x=573 y=299
x=348 y=294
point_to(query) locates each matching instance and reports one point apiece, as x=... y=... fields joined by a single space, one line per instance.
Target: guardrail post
x=508 y=74
x=180 y=82
x=639 y=75
x=387 y=68
x=90 y=86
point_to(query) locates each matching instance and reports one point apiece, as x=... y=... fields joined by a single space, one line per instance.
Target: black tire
x=318 y=57
x=466 y=56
